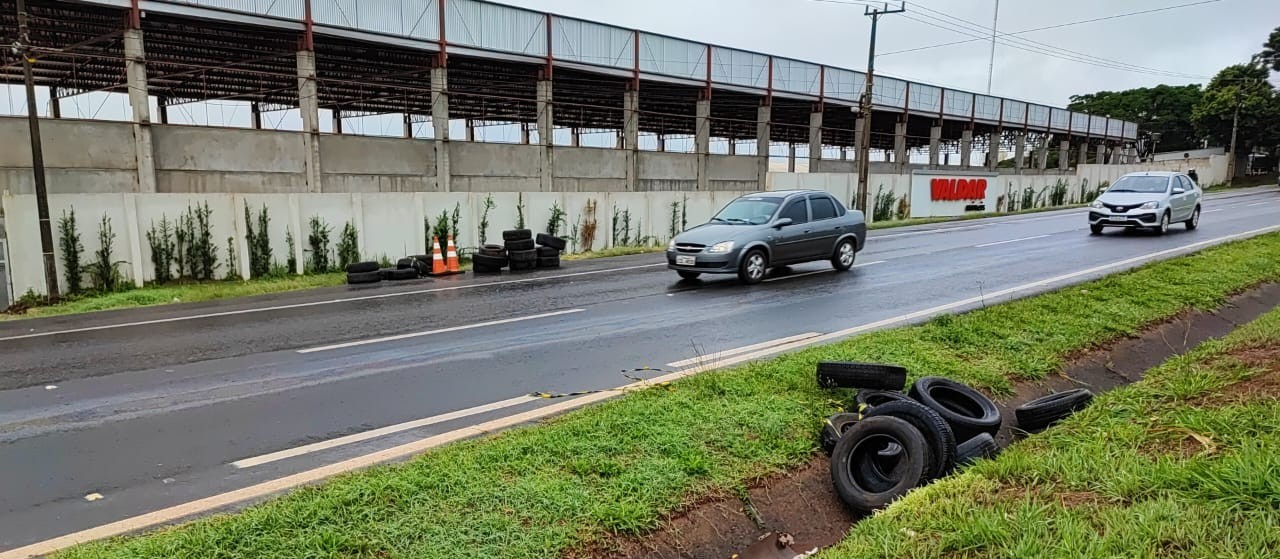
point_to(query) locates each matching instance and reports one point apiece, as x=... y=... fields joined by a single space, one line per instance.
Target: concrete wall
x=80 y=156
x=368 y=164
x=480 y=167
x=667 y=172
x=732 y=173
x=192 y=159
x=577 y=169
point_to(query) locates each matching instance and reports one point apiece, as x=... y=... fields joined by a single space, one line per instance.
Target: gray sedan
x=761 y=231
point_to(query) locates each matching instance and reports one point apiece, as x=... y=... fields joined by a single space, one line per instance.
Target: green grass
x=620 y=466
x=1168 y=467
x=1244 y=182
x=179 y=293
x=927 y=220
x=614 y=251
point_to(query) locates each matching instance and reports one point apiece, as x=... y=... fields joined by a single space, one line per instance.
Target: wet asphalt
x=149 y=407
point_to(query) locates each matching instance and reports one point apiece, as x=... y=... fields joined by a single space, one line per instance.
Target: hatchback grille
x=1118 y=209
x=689 y=248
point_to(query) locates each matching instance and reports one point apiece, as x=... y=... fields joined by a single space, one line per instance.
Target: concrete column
x=733 y=146
x=546 y=131
x=946 y=159
x=524 y=133
x=255 y=115
x=844 y=153
x=1019 y=150
x=55 y=102
x=440 y=124
x=815 y=139
x=1082 y=154
x=966 y=148
x=764 y=116
x=408 y=125
x=900 y=144
x=575 y=137
x=702 y=141
x=662 y=142
x=1101 y=154
x=993 y=150
x=337 y=121
x=309 y=107
x=1042 y=149
x=135 y=64
x=791 y=157
x=631 y=137
x=935 y=145
x=469 y=127
x=162 y=105
x=1064 y=155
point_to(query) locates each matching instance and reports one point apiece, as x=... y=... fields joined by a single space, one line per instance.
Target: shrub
x=292 y=258
x=259 y=241
x=318 y=240
x=883 y=209
x=72 y=250
x=589 y=225
x=104 y=270
x=348 y=246
x=520 y=210
x=556 y=221
x=233 y=270
x=160 y=239
x=484 y=220
x=442 y=231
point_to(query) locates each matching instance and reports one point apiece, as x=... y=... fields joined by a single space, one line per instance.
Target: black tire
x=1036 y=415
x=385 y=273
x=405 y=264
x=969 y=412
x=835 y=426
x=424 y=260
x=521 y=244
x=848 y=374
x=551 y=241
x=864 y=476
x=423 y=268
x=1163 y=227
x=362 y=267
x=547 y=252
x=936 y=431
x=754 y=266
x=488 y=262
x=844 y=254
x=1194 y=222
x=976 y=448
x=1095 y=229
x=870 y=398
x=485 y=269
x=400 y=274
x=530 y=256
x=688 y=275
x=517 y=235
x=490 y=247
x=364 y=277
x=548 y=261
x=520 y=265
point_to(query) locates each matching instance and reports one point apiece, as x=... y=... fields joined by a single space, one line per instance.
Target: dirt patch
x=804 y=505
x=1263 y=385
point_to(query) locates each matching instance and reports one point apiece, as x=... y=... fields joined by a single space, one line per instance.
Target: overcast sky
x=1196 y=40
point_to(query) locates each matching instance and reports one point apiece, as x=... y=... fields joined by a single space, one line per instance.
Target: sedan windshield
x=1150 y=185
x=752 y=211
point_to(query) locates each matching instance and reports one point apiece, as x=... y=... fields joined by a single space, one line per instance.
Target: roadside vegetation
x=966 y=217
x=1181 y=464
x=620 y=466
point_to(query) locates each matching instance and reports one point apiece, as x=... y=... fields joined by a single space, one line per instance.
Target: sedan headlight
x=671 y=245
x=1096 y=204
x=1149 y=206
x=721 y=248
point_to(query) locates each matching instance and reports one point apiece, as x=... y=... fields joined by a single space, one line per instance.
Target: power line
x=969 y=28
x=1047 y=27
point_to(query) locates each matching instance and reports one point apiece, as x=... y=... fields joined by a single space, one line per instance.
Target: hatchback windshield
x=1140 y=184
x=753 y=210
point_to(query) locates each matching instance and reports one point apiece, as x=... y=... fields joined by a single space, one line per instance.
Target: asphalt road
x=151 y=407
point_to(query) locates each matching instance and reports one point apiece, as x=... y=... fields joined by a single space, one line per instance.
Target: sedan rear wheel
x=753 y=267
x=844 y=254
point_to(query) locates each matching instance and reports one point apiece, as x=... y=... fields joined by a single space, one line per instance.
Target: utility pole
x=23 y=48
x=991 y=65
x=1235 y=128
x=864 y=140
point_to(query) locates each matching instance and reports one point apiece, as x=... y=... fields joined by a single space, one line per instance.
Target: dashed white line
x=439 y=331
x=380 y=432
x=1256 y=204
x=1009 y=241
x=927 y=232
x=327 y=302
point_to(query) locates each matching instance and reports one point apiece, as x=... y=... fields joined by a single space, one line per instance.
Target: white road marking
x=1059 y=216
x=1211 y=211
x=816 y=272
x=439 y=331
x=1256 y=204
x=744 y=349
x=328 y=302
x=1009 y=241
x=266 y=488
x=927 y=232
x=380 y=432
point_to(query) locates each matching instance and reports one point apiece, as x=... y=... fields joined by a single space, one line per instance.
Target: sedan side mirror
x=1179 y=191
x=782 y=223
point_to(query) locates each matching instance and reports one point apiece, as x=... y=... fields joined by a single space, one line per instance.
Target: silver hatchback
x=1150 y=200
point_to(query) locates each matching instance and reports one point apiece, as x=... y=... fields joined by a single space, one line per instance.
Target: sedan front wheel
x=753 y=267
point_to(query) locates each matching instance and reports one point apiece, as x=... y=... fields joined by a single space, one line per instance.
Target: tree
x=1164 y=109
x=1245 y=86
x=1270 y=54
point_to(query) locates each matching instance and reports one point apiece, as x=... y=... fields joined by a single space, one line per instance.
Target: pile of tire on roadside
x=519 y=250
x=407 y=268
x=890 y=442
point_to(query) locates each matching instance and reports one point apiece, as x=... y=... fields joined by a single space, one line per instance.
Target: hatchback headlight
x=1096 y=204
x=1149 y=205
x=671 y=245
x=721 y=248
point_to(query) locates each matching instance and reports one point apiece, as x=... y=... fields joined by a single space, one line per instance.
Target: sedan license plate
x=686 y=260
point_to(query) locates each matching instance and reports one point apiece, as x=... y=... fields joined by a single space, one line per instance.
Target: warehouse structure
x=482 y=62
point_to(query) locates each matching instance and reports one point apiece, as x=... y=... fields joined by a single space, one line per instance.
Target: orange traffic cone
x=437 y=261
x=452 y=258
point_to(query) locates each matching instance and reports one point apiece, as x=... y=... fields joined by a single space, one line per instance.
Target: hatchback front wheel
x=844 y=255
x=753 y=267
